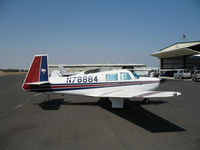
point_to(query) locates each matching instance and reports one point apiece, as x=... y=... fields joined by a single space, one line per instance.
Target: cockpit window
x=135 y=75
x=125 y=76
x=112 y=77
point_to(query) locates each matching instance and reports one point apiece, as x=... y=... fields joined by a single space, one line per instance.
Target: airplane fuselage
x=99 y=83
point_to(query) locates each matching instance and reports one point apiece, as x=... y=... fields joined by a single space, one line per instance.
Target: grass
x=3 y=73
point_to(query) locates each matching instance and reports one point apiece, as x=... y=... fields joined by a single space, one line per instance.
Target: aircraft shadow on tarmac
x=133 y=112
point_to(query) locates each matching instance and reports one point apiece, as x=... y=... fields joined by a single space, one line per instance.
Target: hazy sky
x=93 y=31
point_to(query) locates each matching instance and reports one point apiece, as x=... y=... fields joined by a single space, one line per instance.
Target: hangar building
x=179 y=55
x=102 y=67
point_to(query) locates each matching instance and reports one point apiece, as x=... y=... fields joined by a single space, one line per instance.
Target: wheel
x=146 y=101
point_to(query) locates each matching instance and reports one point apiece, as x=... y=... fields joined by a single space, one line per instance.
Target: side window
x=111 y=77
x=125 y=76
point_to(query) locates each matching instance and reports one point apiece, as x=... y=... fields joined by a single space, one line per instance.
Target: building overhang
x=175 y=53
x=179 y=49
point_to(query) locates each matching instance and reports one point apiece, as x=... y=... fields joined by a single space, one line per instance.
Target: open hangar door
x=184 y=55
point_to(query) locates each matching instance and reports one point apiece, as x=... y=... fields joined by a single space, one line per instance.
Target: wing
x=137 y=94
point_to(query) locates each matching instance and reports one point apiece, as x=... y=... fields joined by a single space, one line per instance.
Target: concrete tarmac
x=28 y=121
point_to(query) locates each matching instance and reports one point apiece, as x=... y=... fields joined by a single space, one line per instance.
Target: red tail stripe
x=33 y=75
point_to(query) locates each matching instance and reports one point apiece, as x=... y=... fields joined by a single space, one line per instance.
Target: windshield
x=135 y=75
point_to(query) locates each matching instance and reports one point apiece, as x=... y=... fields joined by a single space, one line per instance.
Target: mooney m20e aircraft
x=116 y=85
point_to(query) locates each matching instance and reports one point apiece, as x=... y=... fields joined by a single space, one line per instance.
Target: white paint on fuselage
x=144 y=83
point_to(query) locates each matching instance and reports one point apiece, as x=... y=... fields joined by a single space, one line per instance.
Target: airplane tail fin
x=38 y=72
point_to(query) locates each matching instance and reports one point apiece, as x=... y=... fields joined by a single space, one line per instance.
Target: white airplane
x=64 y=72
x=116 y=85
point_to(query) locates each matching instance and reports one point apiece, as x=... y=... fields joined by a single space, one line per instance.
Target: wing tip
x=177 y=93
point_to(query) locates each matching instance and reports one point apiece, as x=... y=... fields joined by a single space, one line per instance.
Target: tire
x=145 y=101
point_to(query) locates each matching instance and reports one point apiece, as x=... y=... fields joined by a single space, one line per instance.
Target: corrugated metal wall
x=180 y=62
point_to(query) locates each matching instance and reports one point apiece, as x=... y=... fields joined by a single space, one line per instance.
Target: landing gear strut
x=145 y=101
x=48 y=97
x=117 y=102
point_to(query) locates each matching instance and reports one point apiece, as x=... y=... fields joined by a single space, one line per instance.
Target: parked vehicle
x=182 y=73
x=196 y=75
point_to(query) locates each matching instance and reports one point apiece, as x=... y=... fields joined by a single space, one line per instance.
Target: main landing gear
x=119 y=102
x=145 y=101
x=48 y=97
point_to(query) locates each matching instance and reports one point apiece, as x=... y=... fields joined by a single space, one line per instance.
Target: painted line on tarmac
x=38 y=94
x=11 y=110
x=15 y=108
x=18 y=106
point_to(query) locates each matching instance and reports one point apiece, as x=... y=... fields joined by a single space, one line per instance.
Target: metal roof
x=179 y=49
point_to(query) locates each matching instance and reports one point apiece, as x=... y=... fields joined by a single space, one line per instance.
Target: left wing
x=136 y=94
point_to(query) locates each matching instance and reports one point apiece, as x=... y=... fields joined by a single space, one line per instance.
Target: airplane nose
x=163 y=80
x=158 y=79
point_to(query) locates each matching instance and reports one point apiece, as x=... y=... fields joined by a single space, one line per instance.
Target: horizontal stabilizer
x=38 y=83
x=38 y=72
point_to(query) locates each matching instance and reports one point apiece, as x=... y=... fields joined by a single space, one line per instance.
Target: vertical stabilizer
x=38 y=72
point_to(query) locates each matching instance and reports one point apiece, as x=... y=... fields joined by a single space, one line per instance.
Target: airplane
x=64 y=72
x=115 y=85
